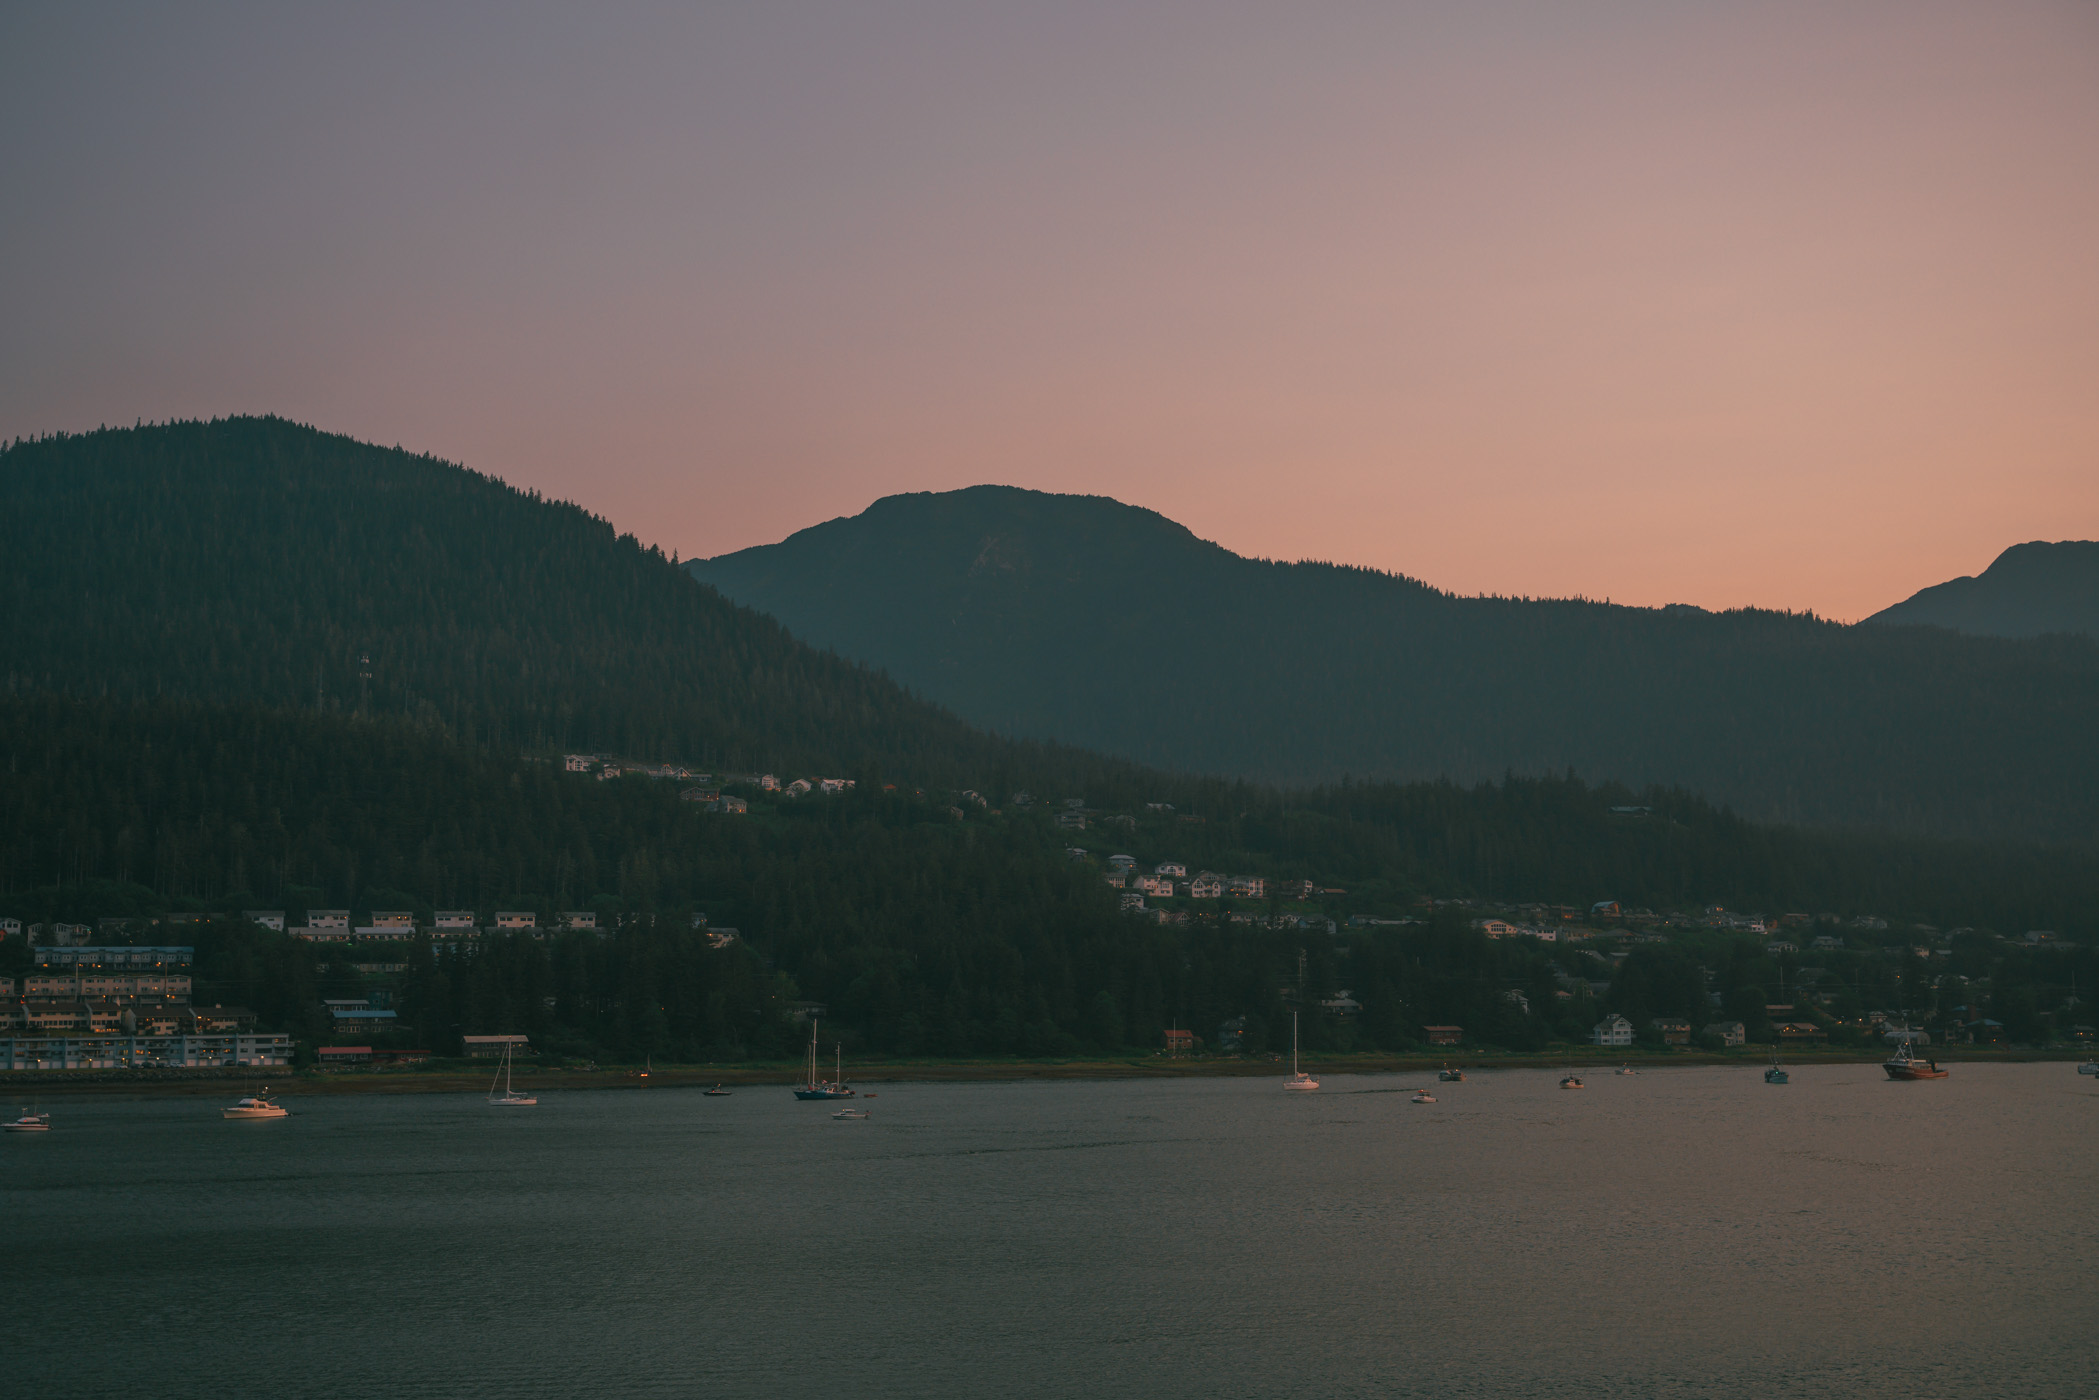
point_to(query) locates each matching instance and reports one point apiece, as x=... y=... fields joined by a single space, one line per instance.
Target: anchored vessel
x=31 y=1123
x=1904 y=1064
x=255 y=1106
x=1299 y=1080
x=509 y=1098
x=1451 y=1076
x=814 y=1088
x=1774 y=1075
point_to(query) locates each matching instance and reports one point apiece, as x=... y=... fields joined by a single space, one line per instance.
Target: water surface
x=1679 y=1233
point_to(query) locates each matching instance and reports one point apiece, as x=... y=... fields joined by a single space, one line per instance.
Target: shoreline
x=457 y=1078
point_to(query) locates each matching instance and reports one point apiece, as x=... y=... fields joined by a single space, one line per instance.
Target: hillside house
x=1207 y=884
x=1444 y=1035
x=1799 y=1032
x=516 y=920
x=800 y=787
x=1116 y=878
x=1673 y=1032
x=1497 y=928
x=452 y=918
x=1612 y=1030
x=700 y=794
x=1123 y=862
x=328 y=919
x=272 y=919
x=1157 y=886
x=10 y=928
x=1132 y=900
x=1246 y=887
x=1731 y=1033
x=1180 y=1042
x=1342 y=1004
x=731 y=806
x=768 y=783
x=578 y=918
x=1072 y=821
x=1171 y=869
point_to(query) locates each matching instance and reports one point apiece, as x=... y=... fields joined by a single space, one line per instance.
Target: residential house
x=700 y=794
x=578 y=762
x=10 y=928
x=453 y=919
x=1246 y=887
x=732 y=806
x=1444 y=1035
x=1497 y=928
x=1072 y=821
x=1606 y=909
x=1612 y=1030
x=768 y=783
x=1828 y=943
x=1799 y=1032
x=482 y=1047
x=516 y=919
x=1207 y=884
x=272 y=919
x=1731 y=1033
x=1780 y=945
x=1179 y=1042
x=1171 y=869
x=1673 y=1032
x=1232 y=1034
x=343 y=1056
x=1132 y=899
x=328 y=918
x=1116 y=878
x=799 y=787
x=1123 y=862
x=578 y=918
x=1342 y=1004
x=836 y=785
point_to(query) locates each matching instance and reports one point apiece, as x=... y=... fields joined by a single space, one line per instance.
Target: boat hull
x=823 y=1093
x=245 y=1113
x=1913 y=1072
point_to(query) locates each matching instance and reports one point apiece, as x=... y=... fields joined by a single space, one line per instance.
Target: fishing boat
x=510 y=1097
x=852 y=1113
x=30 y=1123
x=718 y=1092
x=1423 y=1096
x=1570 y=1081
x=1298 y=1080
x=256 y=1106
x=1775 y=1074
x=1904 y=1064
x=814 y=1088
x=1451 y=1076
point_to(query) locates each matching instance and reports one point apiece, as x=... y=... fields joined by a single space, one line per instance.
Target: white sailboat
x=1299 y=1080
x=509 y=1098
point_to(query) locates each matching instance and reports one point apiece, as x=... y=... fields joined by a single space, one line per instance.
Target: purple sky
x=1783 y=304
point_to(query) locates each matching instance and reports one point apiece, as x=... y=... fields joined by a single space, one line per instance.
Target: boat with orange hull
x=1904 y=1064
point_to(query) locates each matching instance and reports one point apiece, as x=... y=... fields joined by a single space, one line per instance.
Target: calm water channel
x=1683 y=1232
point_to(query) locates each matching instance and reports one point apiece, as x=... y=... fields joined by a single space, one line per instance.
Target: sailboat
x=814 y=1088
x=509 y=1098
x=1775 y=1074
x=1298 y=1078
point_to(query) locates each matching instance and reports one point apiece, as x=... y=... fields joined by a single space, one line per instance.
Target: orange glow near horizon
x=1783 y=305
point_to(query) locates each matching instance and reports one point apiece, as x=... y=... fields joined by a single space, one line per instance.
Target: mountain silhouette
x=2030 y=590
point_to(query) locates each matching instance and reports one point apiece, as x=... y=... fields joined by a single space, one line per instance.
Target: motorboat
x=2089 y=1067
x=1776 y=1073
x=718 y=1092
x=1571 y=1081
x=852 y=1113
x=510 y=1097
x=814 y=1088
x=1451 y=1076
x=1299 y=1080
x=30 y=1123
x=256 y=1106
x=1626 y=1069
x=1423 y=1096
x=1905 y=1064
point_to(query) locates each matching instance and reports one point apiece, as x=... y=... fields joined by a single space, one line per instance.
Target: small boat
x=30 y=1123
x=1626 y=1069
x=509 y=1098
x=1904 y=1064
x=1299 y=1080
x=852 y=1113
x=718 y=1092
x=1423 y=1096
x=814 y=1088
x=2089 y=1067
x=1775 y=1074
x=1571 y=1081
x=1451 y=1076
x=256 y=1106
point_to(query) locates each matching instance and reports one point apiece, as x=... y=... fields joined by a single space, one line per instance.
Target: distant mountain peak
x=2029 y=590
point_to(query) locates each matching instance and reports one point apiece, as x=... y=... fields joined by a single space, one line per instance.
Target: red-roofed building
x=1444 y=1035
x=1179 y=1042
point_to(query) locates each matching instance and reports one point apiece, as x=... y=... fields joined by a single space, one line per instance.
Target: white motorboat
x=1627 y=1069
x=1423 y=1096
x=256 y=1106
x=30 y=1123
x=852 y=1113
x=1298 y=1080
x=510 y=1097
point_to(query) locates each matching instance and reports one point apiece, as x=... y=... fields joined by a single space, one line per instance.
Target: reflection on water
x=1681 y=1232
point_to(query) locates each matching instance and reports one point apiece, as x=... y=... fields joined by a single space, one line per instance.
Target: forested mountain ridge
x=255 y=560
x=1085 y=621
x=2029 y=590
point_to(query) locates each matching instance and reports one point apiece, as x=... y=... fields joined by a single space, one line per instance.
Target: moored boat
x=1775 y=1074
x=256 y=1106
x=30 y=1123
x=1299 y=1080
x=1571 y=1081
x=718 y=1092
x=1905 y=1064
x=1451 y=1076
x=2089 y=1067
x=510 y=1097
x=814 y=1088
x=1423 y=1096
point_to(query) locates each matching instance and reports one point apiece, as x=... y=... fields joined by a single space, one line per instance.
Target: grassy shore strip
x=456 y=1077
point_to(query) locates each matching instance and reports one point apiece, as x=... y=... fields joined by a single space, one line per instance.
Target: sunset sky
x=1793 y=305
